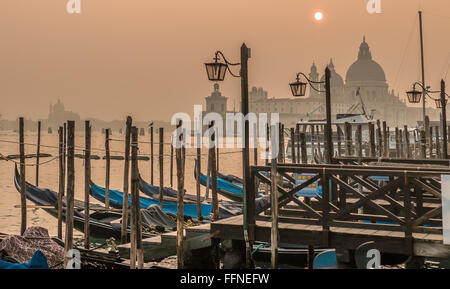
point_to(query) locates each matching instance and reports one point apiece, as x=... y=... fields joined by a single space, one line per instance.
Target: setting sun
x=318 y=16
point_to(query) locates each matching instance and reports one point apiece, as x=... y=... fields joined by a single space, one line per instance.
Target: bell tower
x=216 y=102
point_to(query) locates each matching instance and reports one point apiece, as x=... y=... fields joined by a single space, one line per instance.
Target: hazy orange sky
x=145 y=58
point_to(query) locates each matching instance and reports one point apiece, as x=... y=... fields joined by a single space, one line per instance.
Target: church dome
x=365 y=69
x=335 y=79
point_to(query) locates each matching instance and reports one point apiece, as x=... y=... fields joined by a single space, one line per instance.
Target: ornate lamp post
x=298 y=89
x=216 y=72
x=414 y=97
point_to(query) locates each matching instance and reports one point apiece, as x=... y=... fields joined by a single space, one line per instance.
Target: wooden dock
x=402 y=215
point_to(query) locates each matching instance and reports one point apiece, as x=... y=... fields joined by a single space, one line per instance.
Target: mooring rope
x=82 y=149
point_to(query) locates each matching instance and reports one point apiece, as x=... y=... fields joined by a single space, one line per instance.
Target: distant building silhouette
x=365 y=75
x=57 y=115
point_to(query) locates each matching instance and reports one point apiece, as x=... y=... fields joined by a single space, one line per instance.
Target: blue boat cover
x=116 y=200
x=326 y=260
x=222 y=185
x=38 y=261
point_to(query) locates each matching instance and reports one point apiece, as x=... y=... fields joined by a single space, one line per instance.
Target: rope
x=99 y=150
x=404 y=53
x=257 y=248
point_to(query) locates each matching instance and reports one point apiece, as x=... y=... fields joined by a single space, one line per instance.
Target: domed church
x=364 y=75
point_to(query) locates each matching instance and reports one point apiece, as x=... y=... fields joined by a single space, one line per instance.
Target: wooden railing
x=352 y=199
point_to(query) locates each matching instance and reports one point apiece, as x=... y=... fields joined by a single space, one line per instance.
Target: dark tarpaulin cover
x=154 y=216
x=22 y=248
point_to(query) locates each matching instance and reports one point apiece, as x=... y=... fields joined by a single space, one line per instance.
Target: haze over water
x=49 y=173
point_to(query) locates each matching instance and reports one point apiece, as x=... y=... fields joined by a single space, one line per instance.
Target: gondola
x=224 y=188
x=102 y=224
x=169 y=194
x=190 y=210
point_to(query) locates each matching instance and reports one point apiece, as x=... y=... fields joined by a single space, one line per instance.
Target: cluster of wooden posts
x=348 y=141
x=66 y=153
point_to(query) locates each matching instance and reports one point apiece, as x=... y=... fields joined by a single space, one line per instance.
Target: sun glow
x=318 y=16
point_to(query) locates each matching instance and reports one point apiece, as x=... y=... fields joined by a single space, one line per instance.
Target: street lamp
x=216 y=72
x=414 y=97
x=298 y=89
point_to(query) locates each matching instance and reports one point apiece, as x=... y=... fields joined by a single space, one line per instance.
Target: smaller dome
x=335 y=79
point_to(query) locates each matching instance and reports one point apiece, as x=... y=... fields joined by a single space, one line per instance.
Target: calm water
x=230 y=163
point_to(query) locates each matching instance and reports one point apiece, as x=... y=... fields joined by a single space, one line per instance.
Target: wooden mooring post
x=339 y=138
x=197 y=181
x=161 y=166
x=87 y=178
x=304 y=154
x=212 y=155
x=38 y=153
x=319 y=150
x=180 y=201
x=61 y=180
x=133 y=228
x=293 y=158
x=171 y=163
x=379 y=139
x=108 y=168
x=438 y=143
x=407 y=144
x=372 y=149
x=385 y=140
x=430 y=142
x=126 y=174
x=416 y=146
x=135 y=207
x=255 y=148
x=397 y=143
x=297 y=142
x=423 y=145
x=359 y=141
x=208 y=170
x=65 y=157
x=217 y=158
x=348 y=139
x=400 y=138
x=274 y=205
x=313 y=145
x=151 y=154
x=23 y=184
x=70 y=189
